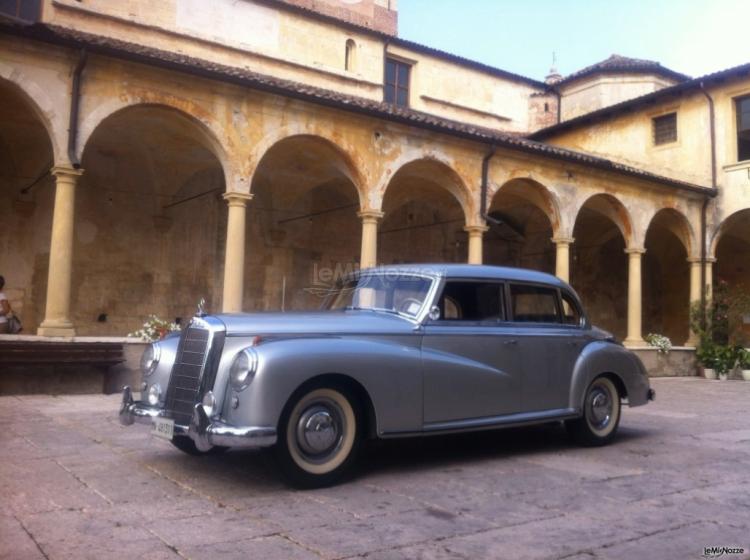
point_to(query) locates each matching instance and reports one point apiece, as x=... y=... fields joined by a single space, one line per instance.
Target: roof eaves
x=647 y=99
x=172 y=61
x=398 y=41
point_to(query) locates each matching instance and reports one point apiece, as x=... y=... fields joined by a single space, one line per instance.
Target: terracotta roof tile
x=617 y=63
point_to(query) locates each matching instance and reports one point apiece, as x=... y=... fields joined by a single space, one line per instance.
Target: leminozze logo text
x=718 y=551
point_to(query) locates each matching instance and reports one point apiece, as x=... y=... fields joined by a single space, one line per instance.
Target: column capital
x=371 y=216
x=563 y=240
x=632 y=251
x=710 y=260
x=476 y=230
x=695 y=260
x=237 y=198
x=66 y=171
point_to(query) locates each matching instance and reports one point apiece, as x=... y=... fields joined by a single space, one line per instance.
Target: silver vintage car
x=394 y=352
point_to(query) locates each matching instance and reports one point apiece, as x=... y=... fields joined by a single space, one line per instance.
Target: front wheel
x=601 y=414
x=319 y=436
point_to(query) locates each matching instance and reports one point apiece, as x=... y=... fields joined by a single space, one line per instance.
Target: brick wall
x=367 y=13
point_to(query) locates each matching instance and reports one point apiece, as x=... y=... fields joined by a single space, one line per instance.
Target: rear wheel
x=319 y=436
x=601 y=414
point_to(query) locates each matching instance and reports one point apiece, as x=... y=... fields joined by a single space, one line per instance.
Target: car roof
x=472 y=271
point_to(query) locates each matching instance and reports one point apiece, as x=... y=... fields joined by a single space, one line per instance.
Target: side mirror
x=434 y=313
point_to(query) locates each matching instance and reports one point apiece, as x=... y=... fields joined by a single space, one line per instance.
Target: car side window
x=471 y=301
x=534 y=304
x=571 y=311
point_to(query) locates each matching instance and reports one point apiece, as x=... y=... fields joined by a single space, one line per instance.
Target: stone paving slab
x=76 y=484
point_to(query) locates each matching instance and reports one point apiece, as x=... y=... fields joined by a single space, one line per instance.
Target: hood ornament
x=201 y=312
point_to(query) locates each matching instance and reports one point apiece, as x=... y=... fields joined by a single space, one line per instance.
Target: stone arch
x=27 y=193
x=210 y=134
x=726 y=224
x=730 y=245
x=150 y=221
x=669 y=243
x=426 y=206
x=303 y=231
x=317 y=145
x=612 y=208
x=438 y=172
x=677 y=223
x=525 y=217
x=536 y=194
x=599 y=266
x=41 y=104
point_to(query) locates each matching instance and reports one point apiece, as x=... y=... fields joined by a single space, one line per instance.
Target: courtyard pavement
x=76 y=484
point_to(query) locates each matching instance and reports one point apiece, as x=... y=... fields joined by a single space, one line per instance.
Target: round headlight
x=150 y=359
x=154 y=394
x=243 y=367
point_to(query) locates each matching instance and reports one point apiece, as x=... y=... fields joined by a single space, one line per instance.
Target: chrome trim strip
x=489 y=423
x=137 y=411
x=207 y=434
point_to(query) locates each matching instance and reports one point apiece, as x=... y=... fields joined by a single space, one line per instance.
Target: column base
x=56 y=328
x=631 y=342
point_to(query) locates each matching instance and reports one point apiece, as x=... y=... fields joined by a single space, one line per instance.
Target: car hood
x=317 y=322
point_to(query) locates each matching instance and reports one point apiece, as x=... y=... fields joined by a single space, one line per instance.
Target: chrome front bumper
x=206 y=433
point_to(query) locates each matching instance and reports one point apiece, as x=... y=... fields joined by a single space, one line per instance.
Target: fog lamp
x=154 y=394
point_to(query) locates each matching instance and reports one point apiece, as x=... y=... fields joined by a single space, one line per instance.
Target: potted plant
x=662 y=343
x=743 y=362
x=726 y=358
x=706 y=352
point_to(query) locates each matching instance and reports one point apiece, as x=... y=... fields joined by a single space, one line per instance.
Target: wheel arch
x=356 y=388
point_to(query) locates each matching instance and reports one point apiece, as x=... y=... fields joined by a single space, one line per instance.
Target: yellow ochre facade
x=249 y=152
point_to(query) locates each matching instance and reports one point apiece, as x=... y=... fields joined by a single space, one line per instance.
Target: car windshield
x=391 y=292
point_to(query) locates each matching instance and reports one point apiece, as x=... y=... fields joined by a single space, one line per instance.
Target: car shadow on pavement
x=414 y=454
x=450 y=450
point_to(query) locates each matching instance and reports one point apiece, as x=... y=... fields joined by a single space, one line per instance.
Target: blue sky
x=695 y=37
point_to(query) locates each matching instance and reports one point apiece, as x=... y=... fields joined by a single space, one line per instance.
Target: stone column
x=57 y=313
x=635 y=337
x=710 y=278
x=475 y=243
x=369 y=254
x=562 y=257
x=695 y=294
x=234 y=255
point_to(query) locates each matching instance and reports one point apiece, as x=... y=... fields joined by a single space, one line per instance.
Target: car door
x=470 y=357
x=548 y=344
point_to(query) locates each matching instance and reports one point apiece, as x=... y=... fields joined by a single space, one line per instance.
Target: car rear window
x=472 y=301
x=534 y=304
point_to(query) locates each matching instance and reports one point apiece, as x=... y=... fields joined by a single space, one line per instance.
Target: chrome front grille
x=185 y=382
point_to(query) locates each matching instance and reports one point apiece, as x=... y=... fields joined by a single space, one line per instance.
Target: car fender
x=602 y=357
x=388 y=368
x=163 y=372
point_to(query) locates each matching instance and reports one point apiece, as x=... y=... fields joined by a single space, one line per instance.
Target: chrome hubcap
x=319 y=431
x=600 y=407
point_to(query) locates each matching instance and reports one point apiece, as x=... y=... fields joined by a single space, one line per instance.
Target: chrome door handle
x=509 y=342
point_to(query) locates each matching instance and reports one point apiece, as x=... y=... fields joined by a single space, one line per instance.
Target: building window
x=665 y=129
x=27 y=10
x=397 y=82
x=743 y=128
x=350 y=55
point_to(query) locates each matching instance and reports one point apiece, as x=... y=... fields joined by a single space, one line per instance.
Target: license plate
x=163 y=428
